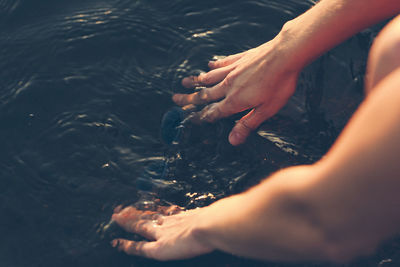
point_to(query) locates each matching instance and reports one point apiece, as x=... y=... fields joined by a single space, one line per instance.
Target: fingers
x=142 y=248
x=225 y=61
x=130 y=214
x=249 y=123
x=118 y=208
x=141 y=222
x=207 y=79
x=169 y=210
x=146 y=228
x=220 y=69
x=216 y=111
x=203 y=96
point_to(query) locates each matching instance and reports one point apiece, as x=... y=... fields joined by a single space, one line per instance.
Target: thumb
x=248 y=123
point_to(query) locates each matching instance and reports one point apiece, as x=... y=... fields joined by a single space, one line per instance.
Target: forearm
x=337 y=209
x=314 y=212
x=361 y=173
x=329 y=23
x=269 y=222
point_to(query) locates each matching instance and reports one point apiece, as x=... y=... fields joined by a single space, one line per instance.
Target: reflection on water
x=84 y=85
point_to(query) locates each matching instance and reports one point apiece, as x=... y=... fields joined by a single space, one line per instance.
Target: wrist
x=200 y=231
x=291 y=47
x=217 y=226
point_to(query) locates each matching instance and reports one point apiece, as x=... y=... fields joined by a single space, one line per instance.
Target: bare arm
x=330 y=22
x=337 y=209
x=263 y=79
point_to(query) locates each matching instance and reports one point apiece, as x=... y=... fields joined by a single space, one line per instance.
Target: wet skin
x=361 y=169
x=166 y=225
x=245 y=81
x=262 y=79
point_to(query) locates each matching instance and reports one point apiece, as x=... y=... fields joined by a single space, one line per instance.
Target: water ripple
x=83 y=88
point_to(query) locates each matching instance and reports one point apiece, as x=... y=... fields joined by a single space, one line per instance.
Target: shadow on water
x=83 y=88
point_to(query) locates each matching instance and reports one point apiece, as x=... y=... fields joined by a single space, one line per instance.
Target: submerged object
x=157 y=178
x=176 y=120
x=171 y=125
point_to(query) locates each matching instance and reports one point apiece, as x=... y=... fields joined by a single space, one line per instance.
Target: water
x=83 y=88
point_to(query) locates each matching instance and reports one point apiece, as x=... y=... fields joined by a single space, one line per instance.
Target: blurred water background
x=83 y=88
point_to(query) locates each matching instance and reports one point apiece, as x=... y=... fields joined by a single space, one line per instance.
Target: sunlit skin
x=336 y=209
x=263 y=79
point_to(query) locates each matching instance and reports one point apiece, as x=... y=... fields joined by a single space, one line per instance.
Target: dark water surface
x=83 y=87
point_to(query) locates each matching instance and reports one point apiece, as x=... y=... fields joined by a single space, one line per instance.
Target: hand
x=169 y=230
x=261 y=79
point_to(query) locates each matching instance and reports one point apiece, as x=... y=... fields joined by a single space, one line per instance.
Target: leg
x=384 y=56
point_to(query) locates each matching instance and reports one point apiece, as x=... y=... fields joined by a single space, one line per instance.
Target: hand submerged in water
x=169 y=231
x=261 y=79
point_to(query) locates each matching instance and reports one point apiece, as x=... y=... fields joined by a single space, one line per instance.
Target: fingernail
x=235 y=138
x=211 y=63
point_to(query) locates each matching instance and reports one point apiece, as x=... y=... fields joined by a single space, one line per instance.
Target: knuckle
x=228 y=81
x=233 y=102
x=128 y=209
x=204 y=78
x=231 y=78
x=146 y=228
x=218 y=63
x=137 y=226
x=154 y=216
x=206 y=113
x=174 y=210
x=213 y=113
x=202 y=95
x=183 y=100
x=219 y=111
x=136 y=248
